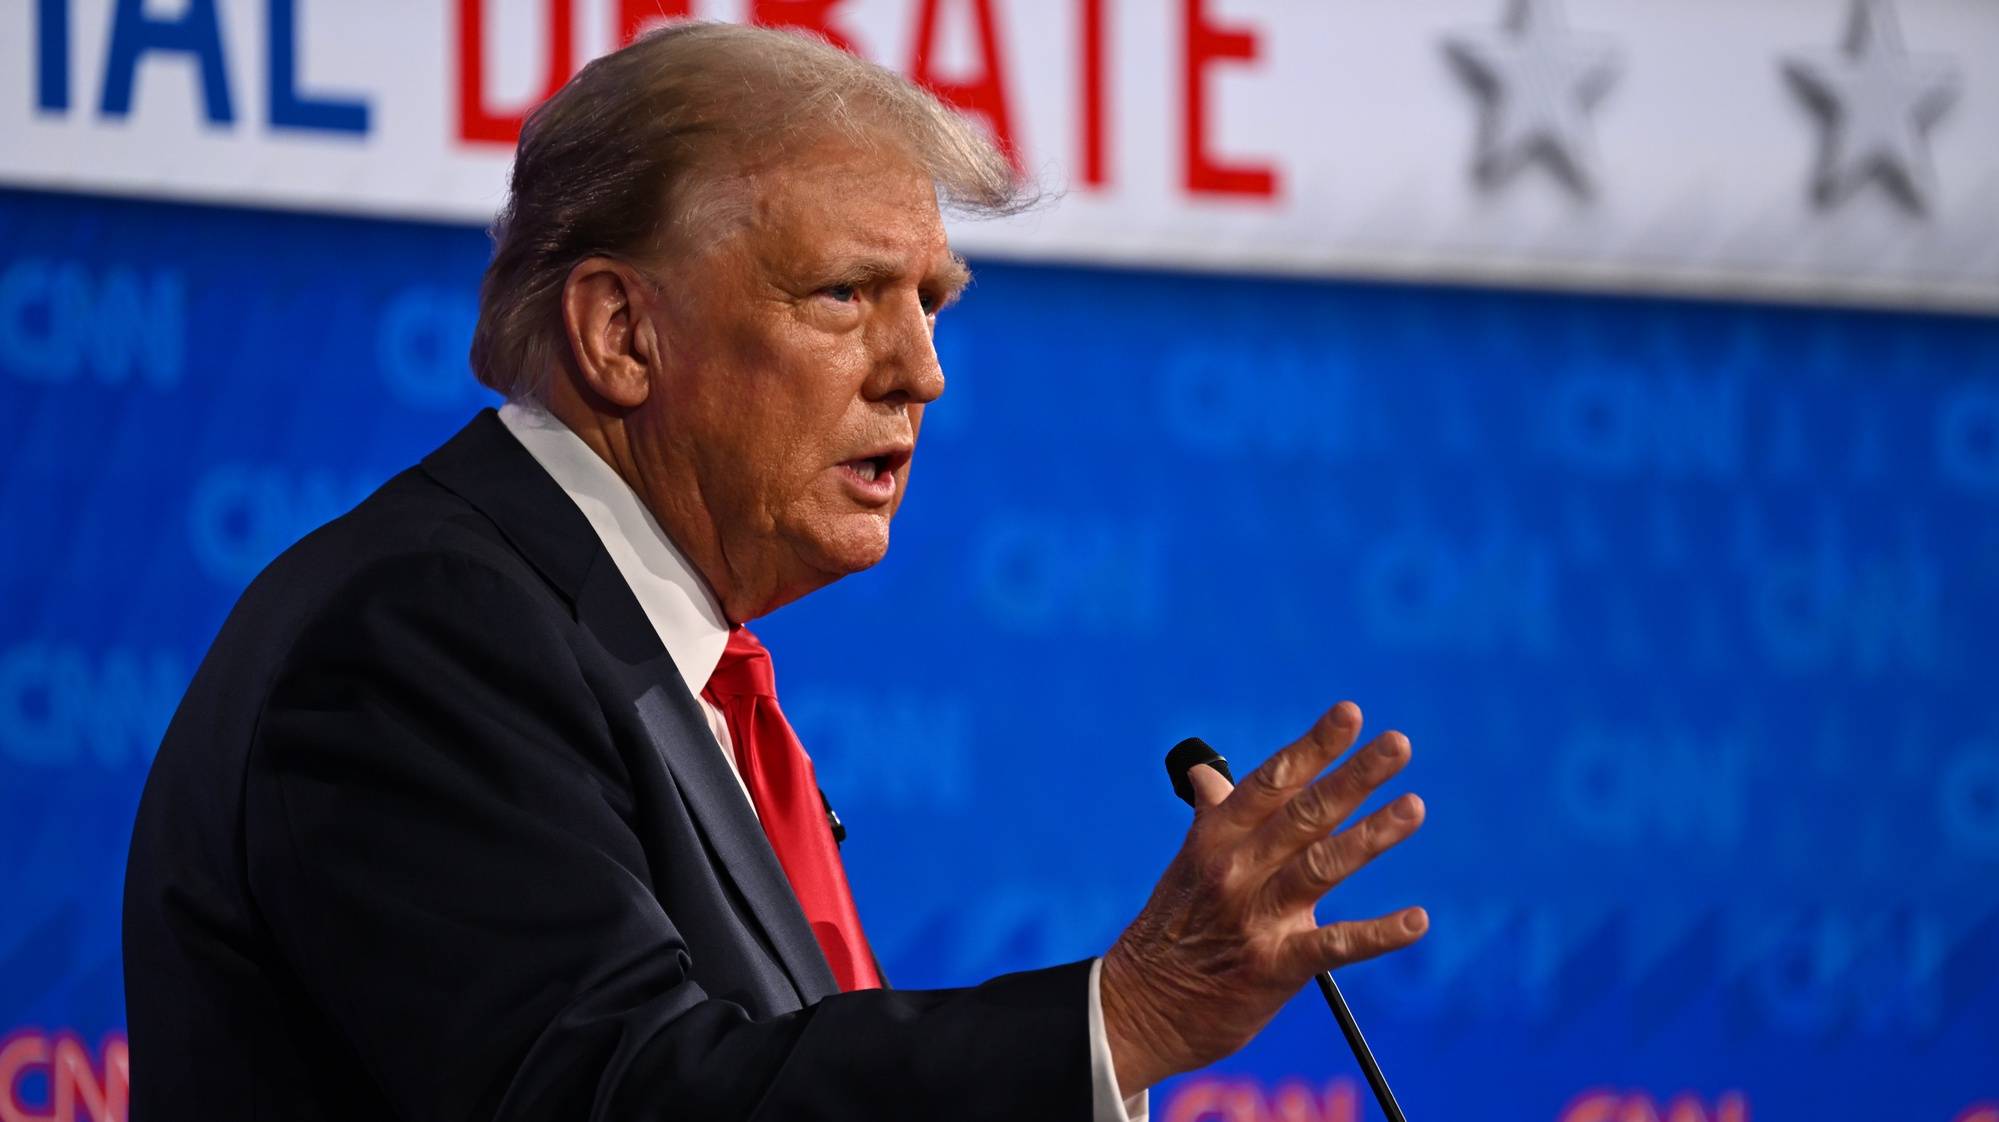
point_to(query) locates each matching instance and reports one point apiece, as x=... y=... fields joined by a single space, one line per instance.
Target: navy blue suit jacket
x=438 y=833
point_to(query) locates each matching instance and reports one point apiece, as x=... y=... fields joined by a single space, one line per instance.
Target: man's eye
x=844 y=293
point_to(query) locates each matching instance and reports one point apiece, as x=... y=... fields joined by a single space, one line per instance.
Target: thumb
x=1209 y=786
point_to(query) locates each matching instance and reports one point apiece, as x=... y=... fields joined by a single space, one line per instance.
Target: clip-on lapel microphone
x=1193 y=752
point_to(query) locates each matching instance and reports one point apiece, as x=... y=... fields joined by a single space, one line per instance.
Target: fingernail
x=1405 y=807
x=1415 y=921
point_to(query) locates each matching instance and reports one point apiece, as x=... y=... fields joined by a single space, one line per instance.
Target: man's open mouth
x=872 y=467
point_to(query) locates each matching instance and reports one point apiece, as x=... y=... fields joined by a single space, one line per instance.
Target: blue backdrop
x=1688 y=608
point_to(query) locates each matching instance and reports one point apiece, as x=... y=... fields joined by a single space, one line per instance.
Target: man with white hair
x=482 y=806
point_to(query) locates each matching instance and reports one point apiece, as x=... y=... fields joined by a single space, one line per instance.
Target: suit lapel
x=487 y=467
x=679 y=730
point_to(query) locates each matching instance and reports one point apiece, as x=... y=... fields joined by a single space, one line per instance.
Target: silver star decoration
x=1537 y=82
x=1877 y=103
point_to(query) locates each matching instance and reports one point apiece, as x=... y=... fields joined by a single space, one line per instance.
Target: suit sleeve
x=439 y=839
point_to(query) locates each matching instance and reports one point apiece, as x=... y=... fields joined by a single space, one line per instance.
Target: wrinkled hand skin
x=1229 y=935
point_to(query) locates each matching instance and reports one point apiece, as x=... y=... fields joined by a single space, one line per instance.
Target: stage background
x=1689 y=606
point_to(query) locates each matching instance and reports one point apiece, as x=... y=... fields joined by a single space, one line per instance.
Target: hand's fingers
x=1210 y=788
x=1319 y=866
x=1311 y=813
x=1284 y=774
x=1337 y=944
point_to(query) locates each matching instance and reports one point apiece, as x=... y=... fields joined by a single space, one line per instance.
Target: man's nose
x=906 y=368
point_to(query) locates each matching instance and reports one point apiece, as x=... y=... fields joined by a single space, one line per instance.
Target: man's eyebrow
x=950 y=272
x=954 y=275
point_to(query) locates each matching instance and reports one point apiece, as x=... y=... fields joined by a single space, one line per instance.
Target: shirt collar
x=675 y=599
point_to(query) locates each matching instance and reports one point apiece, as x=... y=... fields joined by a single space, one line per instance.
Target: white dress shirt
x=691 y=627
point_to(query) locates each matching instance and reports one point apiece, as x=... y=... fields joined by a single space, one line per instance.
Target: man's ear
x=611 y=339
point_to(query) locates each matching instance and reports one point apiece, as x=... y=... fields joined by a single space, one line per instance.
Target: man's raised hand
x=1229 y=935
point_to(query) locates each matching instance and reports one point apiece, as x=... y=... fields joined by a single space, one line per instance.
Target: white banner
x=1843 y=150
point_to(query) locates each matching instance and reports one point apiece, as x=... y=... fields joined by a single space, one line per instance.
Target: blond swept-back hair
x=637 y=154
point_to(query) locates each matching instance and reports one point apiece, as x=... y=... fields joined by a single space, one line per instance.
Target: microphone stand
x=1350 y=1029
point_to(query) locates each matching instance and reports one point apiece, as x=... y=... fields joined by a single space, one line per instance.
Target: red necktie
x=778 y=773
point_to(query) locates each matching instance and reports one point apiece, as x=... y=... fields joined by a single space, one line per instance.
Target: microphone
x=1187 y=755
x=1194 y=752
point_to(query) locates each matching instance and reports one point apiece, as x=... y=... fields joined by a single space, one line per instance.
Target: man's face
x=795 y=360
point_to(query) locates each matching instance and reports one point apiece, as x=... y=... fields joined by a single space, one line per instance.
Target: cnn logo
x=48 y=1077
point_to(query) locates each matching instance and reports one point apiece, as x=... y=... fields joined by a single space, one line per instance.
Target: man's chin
x=856 y=542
